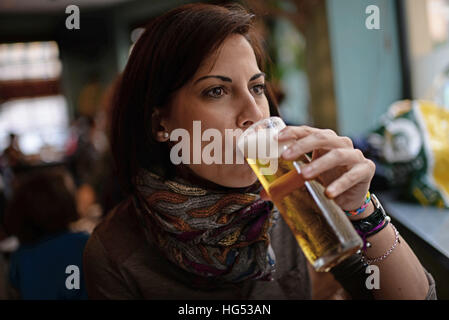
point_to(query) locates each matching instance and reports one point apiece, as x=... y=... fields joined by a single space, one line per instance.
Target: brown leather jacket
x=119 y=263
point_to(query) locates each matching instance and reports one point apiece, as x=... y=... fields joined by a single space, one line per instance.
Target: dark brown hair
x=163 y=60
x=43 y=204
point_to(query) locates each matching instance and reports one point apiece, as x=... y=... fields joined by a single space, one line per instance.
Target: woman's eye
x=215 y=92
x=259 y=89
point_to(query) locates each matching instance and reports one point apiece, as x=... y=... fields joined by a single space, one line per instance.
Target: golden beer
x=321 y=228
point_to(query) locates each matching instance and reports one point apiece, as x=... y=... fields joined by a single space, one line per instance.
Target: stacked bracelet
x=370 y=226
x=378 y=228
x=360 y=210
x=387 y=253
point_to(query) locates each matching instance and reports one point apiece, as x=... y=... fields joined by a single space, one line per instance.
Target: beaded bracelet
x=360 y=210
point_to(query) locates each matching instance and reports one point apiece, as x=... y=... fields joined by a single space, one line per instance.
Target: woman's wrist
x=368 y=211
x=382 y=244
x=359 y=211
x=374 y=223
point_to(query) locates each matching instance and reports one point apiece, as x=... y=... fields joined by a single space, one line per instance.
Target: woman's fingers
x=332 y=159
x=295 y=181
x=295 y=132
x=322 y=139
x=264 y=195
x=361 y=172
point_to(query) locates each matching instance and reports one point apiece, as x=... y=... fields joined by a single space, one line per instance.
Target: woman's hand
x=345 y=172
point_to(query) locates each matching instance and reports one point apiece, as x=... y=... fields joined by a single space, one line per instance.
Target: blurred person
x=89 y=211
x=91 y=162
x=13 y=155
x=39 y=214
x=202 y=231
x=85 y=152
x=8 y=244
x=89 y=101
x=82 y=152
x=11 y=159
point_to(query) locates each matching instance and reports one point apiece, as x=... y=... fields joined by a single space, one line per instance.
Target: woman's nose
x=250 y=113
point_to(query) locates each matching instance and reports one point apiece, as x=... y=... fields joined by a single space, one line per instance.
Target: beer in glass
x=320 y=226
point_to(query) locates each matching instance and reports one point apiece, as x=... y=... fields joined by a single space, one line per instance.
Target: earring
x=163 y=135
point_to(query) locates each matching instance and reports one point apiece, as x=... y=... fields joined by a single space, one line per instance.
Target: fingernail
x=306 y=171
x=331 y=191
x=280 y=134
x=287 y=152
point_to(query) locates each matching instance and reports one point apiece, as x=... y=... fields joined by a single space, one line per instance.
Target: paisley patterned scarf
x=219 y=234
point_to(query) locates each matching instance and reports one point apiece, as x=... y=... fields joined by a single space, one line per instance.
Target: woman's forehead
x=234 y=53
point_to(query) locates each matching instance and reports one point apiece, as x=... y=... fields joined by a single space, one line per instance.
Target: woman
x=201 y=231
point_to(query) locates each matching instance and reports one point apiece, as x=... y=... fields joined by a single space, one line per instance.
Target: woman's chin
x=239 y=178
x=231 y=176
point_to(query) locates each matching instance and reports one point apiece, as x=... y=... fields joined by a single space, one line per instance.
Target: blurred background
x=330 y=70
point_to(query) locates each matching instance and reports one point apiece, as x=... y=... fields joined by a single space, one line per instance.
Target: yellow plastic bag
x=414 y=146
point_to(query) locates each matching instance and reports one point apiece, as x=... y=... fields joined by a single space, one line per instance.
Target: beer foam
x=262 y=144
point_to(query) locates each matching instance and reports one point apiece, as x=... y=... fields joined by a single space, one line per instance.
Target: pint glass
x=320 y=226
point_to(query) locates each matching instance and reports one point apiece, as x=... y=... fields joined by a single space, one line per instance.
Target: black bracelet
x=365 y=236
x=387 y=221
x=376 y=218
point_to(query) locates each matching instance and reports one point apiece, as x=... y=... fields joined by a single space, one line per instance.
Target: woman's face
x=227 y=92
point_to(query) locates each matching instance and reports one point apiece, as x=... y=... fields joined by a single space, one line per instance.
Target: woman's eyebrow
x=223 y=78
x=257 y=75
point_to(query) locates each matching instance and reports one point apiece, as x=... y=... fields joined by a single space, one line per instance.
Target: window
x=428 y=33
x=32 y=106
x=39 y=122
x=33 y=60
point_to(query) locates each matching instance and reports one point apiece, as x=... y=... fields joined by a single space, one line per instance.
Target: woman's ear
x=158 y=123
